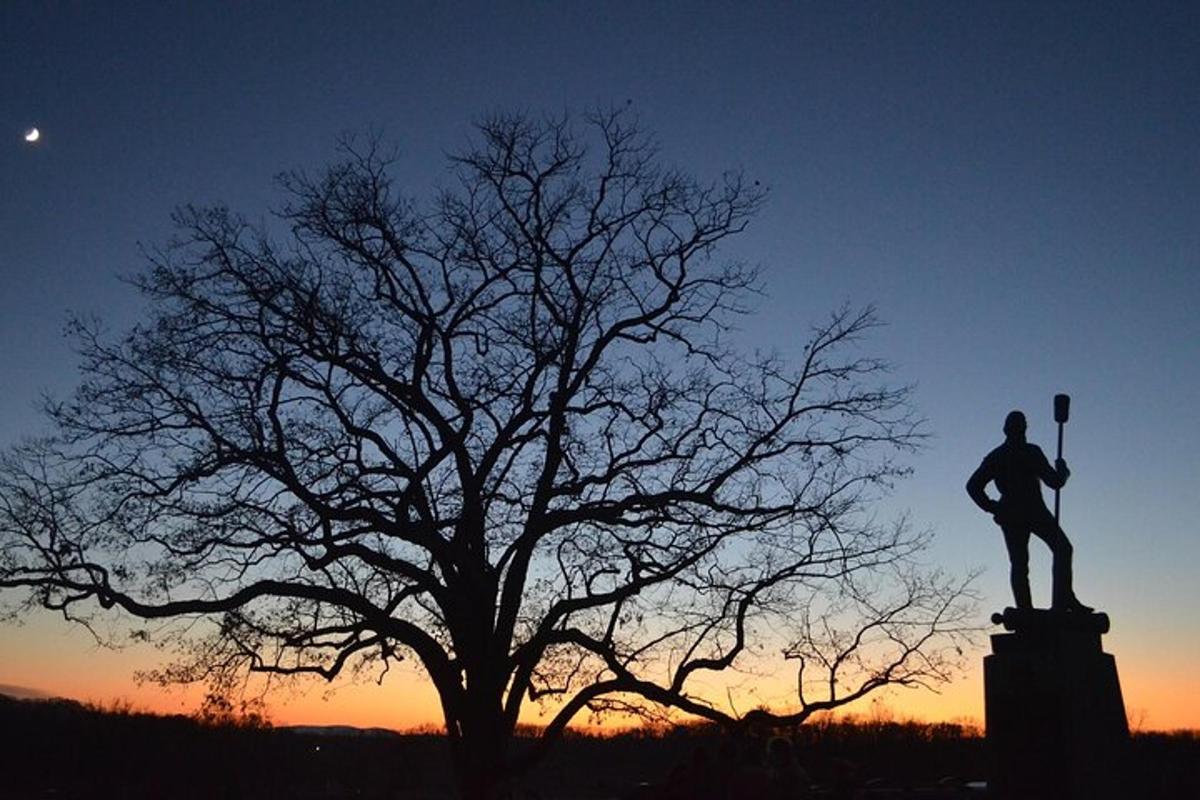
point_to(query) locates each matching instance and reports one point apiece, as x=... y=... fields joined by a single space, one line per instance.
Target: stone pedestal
x=1056 y=722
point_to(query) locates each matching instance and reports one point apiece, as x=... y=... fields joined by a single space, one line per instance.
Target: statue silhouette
x=1018 y=469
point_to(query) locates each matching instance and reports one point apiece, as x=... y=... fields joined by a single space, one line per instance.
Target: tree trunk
x=481 y=771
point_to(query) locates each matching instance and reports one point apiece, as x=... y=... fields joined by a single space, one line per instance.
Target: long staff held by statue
x=1062 y=412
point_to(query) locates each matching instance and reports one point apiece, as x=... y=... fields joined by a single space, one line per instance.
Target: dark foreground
x=59 y=749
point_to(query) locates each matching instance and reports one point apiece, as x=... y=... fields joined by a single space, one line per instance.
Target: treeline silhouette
x=839 y=758
x=63 y=749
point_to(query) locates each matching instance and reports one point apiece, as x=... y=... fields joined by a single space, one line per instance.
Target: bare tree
x=503 y=434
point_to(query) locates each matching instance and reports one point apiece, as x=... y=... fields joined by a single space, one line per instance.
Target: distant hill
x=337 y=730
x=27 y=693
x=23 y=692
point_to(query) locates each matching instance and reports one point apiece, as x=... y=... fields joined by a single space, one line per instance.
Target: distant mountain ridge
x=336 y=730
x=24 y=692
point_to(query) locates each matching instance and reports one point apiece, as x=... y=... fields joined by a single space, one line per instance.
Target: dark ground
x=60 y=749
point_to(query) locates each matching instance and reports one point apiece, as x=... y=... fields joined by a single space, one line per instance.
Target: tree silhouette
x=503 y=433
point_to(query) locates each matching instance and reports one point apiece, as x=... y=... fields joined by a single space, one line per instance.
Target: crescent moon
x=32 y=135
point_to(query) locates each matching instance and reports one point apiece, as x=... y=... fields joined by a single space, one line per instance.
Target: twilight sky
x=1015 y=186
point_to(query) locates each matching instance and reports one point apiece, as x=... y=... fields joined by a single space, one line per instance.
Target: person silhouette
x=1018 y=469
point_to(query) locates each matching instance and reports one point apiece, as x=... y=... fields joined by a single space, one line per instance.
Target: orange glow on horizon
x=406 y=703
x=52 y=658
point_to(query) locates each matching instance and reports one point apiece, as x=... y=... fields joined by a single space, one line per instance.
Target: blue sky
x=1014 y=185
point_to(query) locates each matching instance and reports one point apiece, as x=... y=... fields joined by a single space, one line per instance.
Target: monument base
x=1056 y=724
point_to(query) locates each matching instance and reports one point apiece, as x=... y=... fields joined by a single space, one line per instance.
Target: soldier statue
x=1018 y=469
